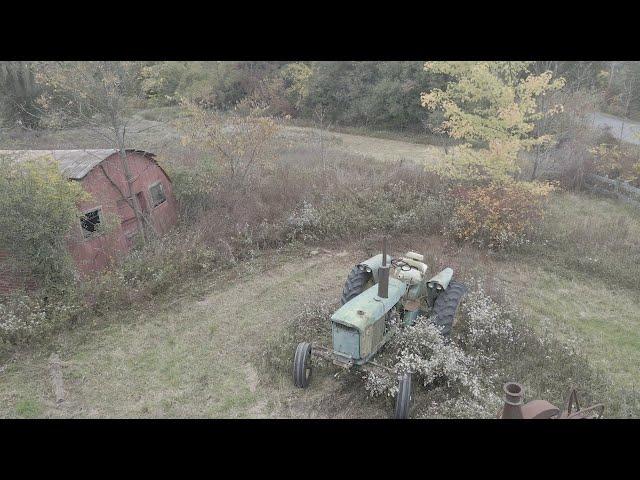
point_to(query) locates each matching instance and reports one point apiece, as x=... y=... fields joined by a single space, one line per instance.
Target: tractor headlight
x=429 y=285
x=438 y=286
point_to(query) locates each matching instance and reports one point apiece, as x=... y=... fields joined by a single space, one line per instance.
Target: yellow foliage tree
x=492 y=108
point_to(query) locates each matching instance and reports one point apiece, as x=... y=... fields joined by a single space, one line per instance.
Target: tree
x=100 y=95
x=38 y=208
x=238 y=144
x=493 y=108
x=18 y=94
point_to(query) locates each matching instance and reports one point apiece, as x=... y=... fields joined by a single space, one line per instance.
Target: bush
x=37 y=211
x=152 y=269
x=423 y=350
x=395 y=206
x=498 y=215
x=309 y=325
x=24 y=317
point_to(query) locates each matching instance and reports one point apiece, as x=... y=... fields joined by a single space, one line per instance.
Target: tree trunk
x=133 y=198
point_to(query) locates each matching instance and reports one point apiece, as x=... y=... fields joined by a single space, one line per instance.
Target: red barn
x=101 y=173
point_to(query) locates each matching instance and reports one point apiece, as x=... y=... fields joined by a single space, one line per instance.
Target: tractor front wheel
x=302 y=365
x=404 y=397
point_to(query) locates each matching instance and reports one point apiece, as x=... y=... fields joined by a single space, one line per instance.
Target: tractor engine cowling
x=358 y=327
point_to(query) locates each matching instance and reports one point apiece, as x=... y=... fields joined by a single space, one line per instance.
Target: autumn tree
x=492 y=108
x=234 y=150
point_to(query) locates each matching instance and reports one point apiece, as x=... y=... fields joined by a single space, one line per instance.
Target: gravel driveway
x=621 y=128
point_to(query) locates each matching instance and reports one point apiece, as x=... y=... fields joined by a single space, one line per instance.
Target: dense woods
x=383 y=95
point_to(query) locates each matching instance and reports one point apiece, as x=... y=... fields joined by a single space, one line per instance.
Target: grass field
x=197 y=354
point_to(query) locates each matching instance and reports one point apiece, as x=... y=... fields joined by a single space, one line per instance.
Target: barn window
x=157 y=194
x=90 y=221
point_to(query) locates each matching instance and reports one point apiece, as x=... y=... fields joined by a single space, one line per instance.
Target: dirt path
x=188 y=360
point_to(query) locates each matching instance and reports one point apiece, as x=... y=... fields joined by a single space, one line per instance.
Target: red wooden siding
x=94 y=253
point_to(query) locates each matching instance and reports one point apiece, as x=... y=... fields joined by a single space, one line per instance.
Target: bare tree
x=99 y=96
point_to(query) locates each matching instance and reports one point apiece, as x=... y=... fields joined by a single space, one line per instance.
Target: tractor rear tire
x=302 y=365
x=404 y=397
x=357 y=282
x=446 y=307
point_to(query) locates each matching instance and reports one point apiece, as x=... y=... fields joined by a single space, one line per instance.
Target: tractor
x=379 y=298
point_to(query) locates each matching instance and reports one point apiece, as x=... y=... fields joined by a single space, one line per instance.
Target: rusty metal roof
x=73 y=164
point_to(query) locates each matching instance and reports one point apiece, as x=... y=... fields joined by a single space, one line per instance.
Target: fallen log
x=55 y=372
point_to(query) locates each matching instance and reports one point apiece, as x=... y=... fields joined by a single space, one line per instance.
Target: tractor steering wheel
x=398 y=263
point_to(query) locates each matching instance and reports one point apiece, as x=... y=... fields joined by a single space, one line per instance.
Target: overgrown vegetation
x=38 y=208
x=463 y=378
x=243 y=188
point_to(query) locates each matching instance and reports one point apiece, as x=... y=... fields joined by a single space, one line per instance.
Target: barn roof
x=73 y=164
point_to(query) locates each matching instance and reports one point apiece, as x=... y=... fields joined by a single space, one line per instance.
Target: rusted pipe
x=513 y=400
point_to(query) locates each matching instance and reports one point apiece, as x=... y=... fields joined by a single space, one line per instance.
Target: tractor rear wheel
x=302 y=365
x=446 y=306
x=404 y=397
x=357 y=282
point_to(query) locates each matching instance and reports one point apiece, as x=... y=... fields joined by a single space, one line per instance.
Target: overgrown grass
x=595 y=236
x=578 y=278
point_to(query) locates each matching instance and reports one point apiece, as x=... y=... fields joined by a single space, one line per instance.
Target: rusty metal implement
x=514 y=406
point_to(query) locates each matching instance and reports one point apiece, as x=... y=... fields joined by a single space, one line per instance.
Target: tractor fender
x=373 y=264
x=443 y=278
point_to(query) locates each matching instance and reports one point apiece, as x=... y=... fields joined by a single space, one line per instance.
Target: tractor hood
x=365 y=309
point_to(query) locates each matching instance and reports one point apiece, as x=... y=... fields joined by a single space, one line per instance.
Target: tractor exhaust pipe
x=383 y=273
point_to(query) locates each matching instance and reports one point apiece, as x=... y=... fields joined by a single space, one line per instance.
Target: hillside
x=199 y=352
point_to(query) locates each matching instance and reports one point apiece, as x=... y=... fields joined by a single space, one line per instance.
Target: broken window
x=157 y=194
x=90 y=221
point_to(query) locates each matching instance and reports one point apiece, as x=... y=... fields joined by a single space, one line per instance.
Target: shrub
x=423 y=350
x=37 y=211
x=152 y=269
x=309 y=325
x=27 y=317
x=498 y=215
x=394 y=206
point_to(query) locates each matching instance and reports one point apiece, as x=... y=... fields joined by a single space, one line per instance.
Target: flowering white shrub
x=302 y=220
x=486 y=323
x=422 y=350
x=23 y=316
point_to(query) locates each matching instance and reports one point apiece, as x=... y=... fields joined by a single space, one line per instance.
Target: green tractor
x=378 y=299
